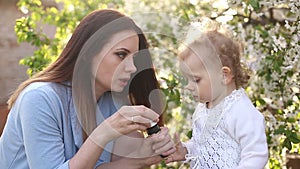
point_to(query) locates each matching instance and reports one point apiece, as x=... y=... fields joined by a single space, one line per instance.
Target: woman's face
x=115 y=64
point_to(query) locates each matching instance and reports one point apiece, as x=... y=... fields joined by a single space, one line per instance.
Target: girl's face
x=114 y=64
x=204 y=78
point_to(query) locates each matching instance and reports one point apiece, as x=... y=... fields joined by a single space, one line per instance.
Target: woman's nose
x=130 y=67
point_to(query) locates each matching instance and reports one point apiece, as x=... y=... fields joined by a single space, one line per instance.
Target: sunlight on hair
x=196 y=29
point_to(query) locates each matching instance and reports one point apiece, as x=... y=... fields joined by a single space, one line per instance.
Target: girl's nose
x=189 y=86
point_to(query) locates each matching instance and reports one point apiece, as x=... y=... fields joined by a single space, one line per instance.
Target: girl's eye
x=196 y=80
x=122 y=54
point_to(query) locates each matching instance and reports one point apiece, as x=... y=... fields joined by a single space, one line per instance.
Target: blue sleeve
x=43 y=139
x=107 y=108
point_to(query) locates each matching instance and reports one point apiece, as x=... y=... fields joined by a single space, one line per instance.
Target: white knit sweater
x=231 y=135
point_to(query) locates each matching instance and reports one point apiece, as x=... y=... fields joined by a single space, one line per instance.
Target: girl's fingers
x=169 y=152
x=176 y=138
x=161 y=141
x=165 y=148
x=164 y=131
x=161 y=138
x=157 y=137
x=152 y=160
x=169 y=159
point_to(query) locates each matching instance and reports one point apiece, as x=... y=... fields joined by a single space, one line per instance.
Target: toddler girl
x=228 y=131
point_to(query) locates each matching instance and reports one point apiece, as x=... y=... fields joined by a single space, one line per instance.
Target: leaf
x=294 y=138
x=286 y=143
x=189 y=134
x=254 y=4
x=280 y=130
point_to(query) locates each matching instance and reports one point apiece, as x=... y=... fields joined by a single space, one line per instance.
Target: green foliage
x=275 y=86
x=254 y=4
x=272 y=51
x=30 y=28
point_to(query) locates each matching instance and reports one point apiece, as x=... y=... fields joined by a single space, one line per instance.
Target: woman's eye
x=122 y=55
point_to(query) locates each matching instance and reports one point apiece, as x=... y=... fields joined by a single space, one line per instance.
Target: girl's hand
x=163 y=143
x=180 y=153
x=133 y=151
x=126 y=120
x=160 y=143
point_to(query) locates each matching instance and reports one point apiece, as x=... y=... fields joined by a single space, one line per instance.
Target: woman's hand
x=133 y=151
x=132 y=163
x=160 y=143
x=152 y=148
x=126 y=120
x=180 y=153
x=125 y=153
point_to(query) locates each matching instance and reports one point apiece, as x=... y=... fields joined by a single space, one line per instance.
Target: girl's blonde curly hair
x=215 y=36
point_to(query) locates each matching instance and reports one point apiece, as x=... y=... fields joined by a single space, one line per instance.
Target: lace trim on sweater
x=211 y=117
x=210 y=147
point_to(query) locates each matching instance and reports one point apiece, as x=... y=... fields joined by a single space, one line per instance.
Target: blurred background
x=33 y=33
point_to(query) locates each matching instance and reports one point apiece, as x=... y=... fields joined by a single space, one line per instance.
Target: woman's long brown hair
x=78 y=50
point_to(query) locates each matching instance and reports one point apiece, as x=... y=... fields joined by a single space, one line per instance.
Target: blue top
x=42 y=130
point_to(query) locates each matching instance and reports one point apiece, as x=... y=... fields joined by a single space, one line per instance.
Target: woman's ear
x=227 y=75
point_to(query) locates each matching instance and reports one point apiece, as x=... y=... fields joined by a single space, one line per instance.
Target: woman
x=64 y=116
